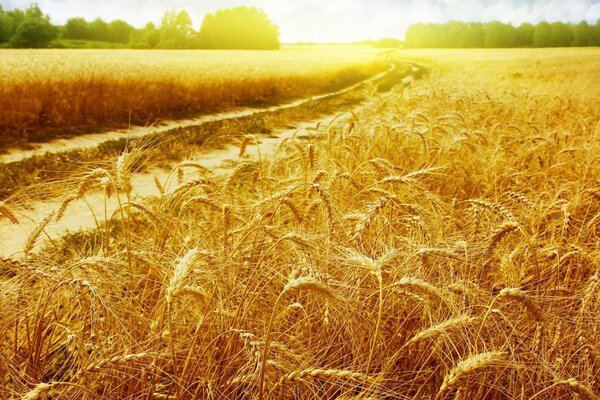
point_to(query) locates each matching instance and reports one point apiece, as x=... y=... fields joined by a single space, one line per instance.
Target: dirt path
x=95 y=139
x=90 y=212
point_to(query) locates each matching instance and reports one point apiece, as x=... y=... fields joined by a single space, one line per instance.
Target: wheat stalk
x=326 y=199
x=124 y=359
x=523 y=297
x=199 y=167
x=441 y=329
x=42 y=389
x=373 y=209
x=123 y=172
x=90 y=179
x=203 y=200
x=319 y=175
x=245 y=142
x=420 y=284
x=311 y=374
x=498 y=234
x=468 y=366
x=37 y=392
x=307 y=283
x=324 y=374
x=440 y=252
x=180 y=273
x=6 y=212
x=495 y=208
x=36 y=232
x=159 y=186
x=582 y=391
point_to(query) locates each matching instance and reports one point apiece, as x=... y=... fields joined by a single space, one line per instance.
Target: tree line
x=235 y=28
x=495 y=34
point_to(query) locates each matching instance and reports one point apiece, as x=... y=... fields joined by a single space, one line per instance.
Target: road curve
x=95 y=139
x=89 y=212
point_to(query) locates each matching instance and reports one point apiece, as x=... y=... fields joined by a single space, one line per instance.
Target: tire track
x=90 y=212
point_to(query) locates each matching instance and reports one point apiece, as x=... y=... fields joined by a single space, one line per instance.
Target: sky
x=328 y=20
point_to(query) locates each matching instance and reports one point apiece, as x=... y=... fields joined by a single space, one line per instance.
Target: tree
x=472 y=35
x=596 y=36
x=98 y=30
x=450 y=33
x=524 y=35
x=9 y=22
x=34 y=12
x=5 y=26
x=498 y=34
x=239 y=28
x=119 y=31
x=33 y=28
x=147 y=37
x=16 y=16
x=583 y=34
x=542 y=35
x=75 y=28
x=33 y=33
x=414 y=36
x=561 y=34
x=176 y=30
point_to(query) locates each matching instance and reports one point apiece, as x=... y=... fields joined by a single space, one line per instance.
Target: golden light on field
x=49 y=89
x=440 y=240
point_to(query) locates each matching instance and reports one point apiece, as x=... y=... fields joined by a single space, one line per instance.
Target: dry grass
x=46 y=92
x=448 y=249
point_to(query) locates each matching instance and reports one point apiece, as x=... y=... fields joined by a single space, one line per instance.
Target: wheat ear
x=523 y=297
x=295 y=285
x=312 y=374
x=180 y=273
x=42 y=389
x=467 y=366
x=8 y=213
x=582 y=391
x=37 y=392
x=421 y=284
x=441 y=328
x=37 y=231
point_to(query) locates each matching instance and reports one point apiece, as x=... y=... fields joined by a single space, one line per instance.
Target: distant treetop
x=234 y=28
x=251 y=28
x=239 y=28
x=456 y=34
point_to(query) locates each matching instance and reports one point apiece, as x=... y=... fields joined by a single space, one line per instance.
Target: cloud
x=593 y=13
x=330 y=20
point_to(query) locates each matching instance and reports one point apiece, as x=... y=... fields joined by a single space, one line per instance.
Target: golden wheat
x=74 y=89
x=439 y=242
x=468 y=366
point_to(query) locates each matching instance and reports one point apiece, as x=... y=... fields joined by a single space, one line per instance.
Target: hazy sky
x=329 y=20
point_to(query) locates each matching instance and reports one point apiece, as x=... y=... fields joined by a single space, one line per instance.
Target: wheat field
x=442 y=243
x=48 y=93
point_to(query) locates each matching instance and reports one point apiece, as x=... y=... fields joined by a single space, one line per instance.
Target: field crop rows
x=442 y=244
x=50 y=93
